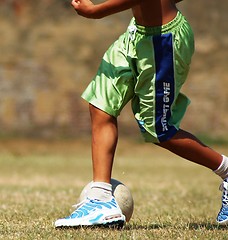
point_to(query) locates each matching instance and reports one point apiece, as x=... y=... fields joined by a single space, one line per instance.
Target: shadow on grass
x=152 y=226
x=137 y=226
x=189 y=226
x=208 y=226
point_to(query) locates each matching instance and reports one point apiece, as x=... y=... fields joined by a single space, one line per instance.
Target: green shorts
x=147 y=65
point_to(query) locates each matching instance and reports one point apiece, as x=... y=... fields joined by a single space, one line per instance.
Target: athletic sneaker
x=94 y=212
x=222 y=217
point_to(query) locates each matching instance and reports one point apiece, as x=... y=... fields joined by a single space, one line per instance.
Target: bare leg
x=104 y=141
x=105 y=137
x=189 y=147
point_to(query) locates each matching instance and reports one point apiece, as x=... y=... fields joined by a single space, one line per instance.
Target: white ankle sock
x=100 y=191
x=222 y=170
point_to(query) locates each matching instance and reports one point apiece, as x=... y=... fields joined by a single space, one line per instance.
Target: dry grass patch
x=174 y=199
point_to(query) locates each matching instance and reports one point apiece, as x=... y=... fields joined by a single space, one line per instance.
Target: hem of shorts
x=169 y=135
x=154 y=138
x=98 y=105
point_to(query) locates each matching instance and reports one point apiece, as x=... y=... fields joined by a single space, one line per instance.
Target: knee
x=100 y=117
x=171 y=142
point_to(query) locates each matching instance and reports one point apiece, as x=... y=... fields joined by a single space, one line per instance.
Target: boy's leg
x=189 y=147
x=185 y=145
x=100 y=207
x=104 y=141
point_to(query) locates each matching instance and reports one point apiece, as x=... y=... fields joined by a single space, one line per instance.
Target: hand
x=83 y=7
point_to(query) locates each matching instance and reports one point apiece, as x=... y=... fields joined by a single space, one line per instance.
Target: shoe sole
x=117 y=224
x=223 y=223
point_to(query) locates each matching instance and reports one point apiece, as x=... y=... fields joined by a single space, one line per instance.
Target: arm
x=87 y=9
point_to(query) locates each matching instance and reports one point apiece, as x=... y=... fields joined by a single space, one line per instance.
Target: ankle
x=100 y=191
x=222 y=170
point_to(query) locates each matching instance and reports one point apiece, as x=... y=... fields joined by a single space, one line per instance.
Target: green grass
x=39 y=181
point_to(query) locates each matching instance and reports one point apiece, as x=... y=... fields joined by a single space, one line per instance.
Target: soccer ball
x=122 y=195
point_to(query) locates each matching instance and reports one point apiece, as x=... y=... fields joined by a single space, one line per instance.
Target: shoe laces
x=83 y=208
x=224 y=188
x=89 y=205
x=77 y=205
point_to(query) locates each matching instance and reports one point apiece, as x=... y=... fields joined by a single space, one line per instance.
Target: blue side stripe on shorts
x=164 y=85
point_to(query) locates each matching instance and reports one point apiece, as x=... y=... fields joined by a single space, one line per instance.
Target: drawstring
x=132 y=30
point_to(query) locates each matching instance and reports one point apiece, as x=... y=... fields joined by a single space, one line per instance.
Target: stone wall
x=49 y=55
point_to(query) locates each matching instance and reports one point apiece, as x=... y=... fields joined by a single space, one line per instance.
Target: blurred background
x=48 y=55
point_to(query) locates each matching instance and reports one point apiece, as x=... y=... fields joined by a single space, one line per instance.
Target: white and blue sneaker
x=222 y=217
x=92 y=212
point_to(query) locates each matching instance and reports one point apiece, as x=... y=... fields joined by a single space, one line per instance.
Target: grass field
x=39 y=181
